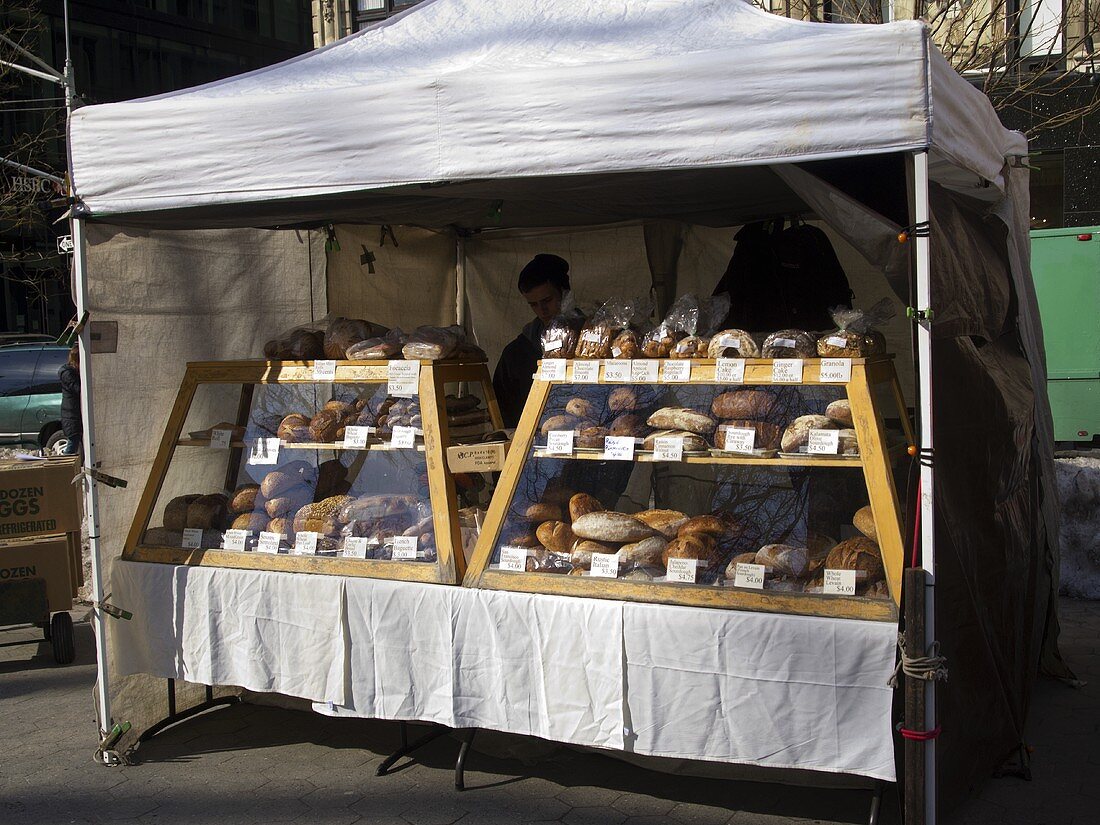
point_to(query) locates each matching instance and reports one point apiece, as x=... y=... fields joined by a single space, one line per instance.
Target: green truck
x=1066 y=266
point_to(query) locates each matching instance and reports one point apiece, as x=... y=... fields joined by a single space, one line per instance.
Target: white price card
x=787 y=371
x=729 y=370
x=221 y=439
x=305 y=543
x=192 y=538
x=355 y=547
x=676 y=371
x=559 y=442
x=840 y=582
x=616 y=371
x=403 y=379
x=644 y=370
x=749 y=575
x=236 y=539
x=404 y=548
x=355 y=437
x=682 y=570
x=668 y=448
x=553 y=369
x=823 y=442
x=618 y=448
x=835 y=370
x=605 y=565
x=586 y=372
x=403 y=438
x=264 y=451
x=738 y=439
x=513 y=559
x=268 y=542
x=324 y=370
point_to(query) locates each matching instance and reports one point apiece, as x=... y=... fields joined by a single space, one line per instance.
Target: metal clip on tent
x=466 y=735
x=107 y=607
x=922 y=229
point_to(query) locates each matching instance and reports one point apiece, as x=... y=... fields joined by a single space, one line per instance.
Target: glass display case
x=743 y=483
x=336 y=467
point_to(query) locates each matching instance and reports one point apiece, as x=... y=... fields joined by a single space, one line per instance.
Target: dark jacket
x=512 y=378
x=70 y=401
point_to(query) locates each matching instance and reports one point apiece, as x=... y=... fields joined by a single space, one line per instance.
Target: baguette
x=692 y=443
x=682 y=418
x=611 y=527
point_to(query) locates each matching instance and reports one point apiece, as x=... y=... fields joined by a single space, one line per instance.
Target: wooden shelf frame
x=450 y=564
x=875 y=462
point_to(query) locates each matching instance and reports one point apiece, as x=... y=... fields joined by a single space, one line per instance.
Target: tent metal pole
x=91 y=495
x=922 y=214
x=460 y=281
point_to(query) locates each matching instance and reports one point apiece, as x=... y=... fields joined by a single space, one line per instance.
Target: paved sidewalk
x=250 y=764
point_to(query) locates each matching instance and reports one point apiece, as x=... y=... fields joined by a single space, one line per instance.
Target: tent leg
x=409 y=747
x=876 y=804
x=174 y=716
x=913 y=593
x=467 y=737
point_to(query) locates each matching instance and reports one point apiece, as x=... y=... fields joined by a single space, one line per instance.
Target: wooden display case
x=223 y=435
x=719 y=478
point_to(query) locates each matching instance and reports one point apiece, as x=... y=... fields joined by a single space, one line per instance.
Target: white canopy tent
x=478 y=114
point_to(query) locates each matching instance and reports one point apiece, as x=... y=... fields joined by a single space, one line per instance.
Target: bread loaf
x=555 y=536
x=582 y=504
x=697 y=546
x=286 y=477
x=851 y=344
x=659 y=342
x=611 y=527
x=281 y=526
x=294 y=428
x=543 y=512
x=860 y=554
x=665 y=522
x=840 y=411
x=732 y=343
x=520 y=537
x=648 y=551
x=591 y=437
x=288 y=502
x=875 y=590
x=581 y=555
x=323 y=426
x=740 y=558
x=244 y=498
x=691 y=347
x=207 y=512
x=581 y=408
x=342 y=333
x=692 y=443
x=372 y=349
x=848 y=444
x=175 y=511
x=595 y=340
x=559 y=340
x=298 y=345
x=790 y=343
x=628 y=424
x=250 y=521
x=797 y=433
x=376 y=506
x=625 y=345
x=784 y=559
x=622 y=399
x=682 y=418
x=864 y=521
x=711 y=526
x=754 y=404
x=767 y=435
x=432 y=343
x=561 y=422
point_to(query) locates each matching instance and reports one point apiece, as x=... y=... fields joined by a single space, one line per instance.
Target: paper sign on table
x=668 y=448
x=192 y=538
x=264 y=451
x=618 y=448
x=403 y=379
x=738 y=439
x=553 y=369
x=787 y=371
x=404 y=548
x=840 y=582
x=324 y=370
x=513 y=559
x=644 y=370
x=355 y=437
x=403 y=438
x=235 y=539
x=835 y=371
x=682 y=570
x=676 y=371
x=749 y=575
x=616 y=371
x=268 y=542
x=305 y=543
x=605 y=565
x=823 y=442
x=559 y=442
x=221 y=439
x=355 y=547
x=729 y=370
x=586 y=372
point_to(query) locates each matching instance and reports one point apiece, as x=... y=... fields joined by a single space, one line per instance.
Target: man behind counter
x=543 y=282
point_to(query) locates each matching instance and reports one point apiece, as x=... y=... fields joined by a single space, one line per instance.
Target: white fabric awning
x=460 y=91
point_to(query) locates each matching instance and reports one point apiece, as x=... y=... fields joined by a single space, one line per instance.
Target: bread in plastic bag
x=343 y=332
x=381 y=347
x=856 y=335
x=790 y=343
x=732 y=343
x=559 y=339
x=433 y=343
x=681 y=321
x=297 y=345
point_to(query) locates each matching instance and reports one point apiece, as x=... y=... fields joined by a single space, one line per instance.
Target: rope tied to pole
x=931 y=667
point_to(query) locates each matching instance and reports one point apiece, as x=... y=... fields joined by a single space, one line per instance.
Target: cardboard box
x=476 y=458
x=38 y=498
x=48 y=558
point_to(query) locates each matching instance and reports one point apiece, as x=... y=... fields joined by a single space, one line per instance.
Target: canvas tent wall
x=524 y=114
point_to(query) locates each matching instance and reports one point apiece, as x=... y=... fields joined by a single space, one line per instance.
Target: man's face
x=545 y=301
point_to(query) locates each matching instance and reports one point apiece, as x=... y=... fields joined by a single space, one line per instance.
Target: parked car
x=30 y=394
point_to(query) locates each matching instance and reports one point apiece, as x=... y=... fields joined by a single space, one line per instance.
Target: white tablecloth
x=720 y=685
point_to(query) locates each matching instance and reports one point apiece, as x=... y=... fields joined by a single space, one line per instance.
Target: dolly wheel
x=61 y=637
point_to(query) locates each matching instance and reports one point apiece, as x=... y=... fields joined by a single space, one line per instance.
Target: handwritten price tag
x=676 y=372
x=235 y=539
x=513 y=559
x=644 y=370
x=682 y=570
x=553 y=369
x=749 y=575
x=738 y=439
x=324 y=370
x=268 y=542
x=668 y=448
x=192 y=538
x=616 y=371
x=618 y=448
x=403 y=438
x=404 y=548
x=823 y=442
x=221 y=439
x=355 y=437
x=355 y=547
x=787 y=371
x=403 y=379
x=835 y=370
x=264 y=451
x=559 y=442
x=840 y=582
x=605 y=565
x=729 y=370
x=305 y=543
x=586 y=372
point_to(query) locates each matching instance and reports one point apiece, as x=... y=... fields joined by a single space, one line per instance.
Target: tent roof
x=465 y=93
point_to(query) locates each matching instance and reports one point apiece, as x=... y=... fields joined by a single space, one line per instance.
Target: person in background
x=543 y=283
x=71 y=423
